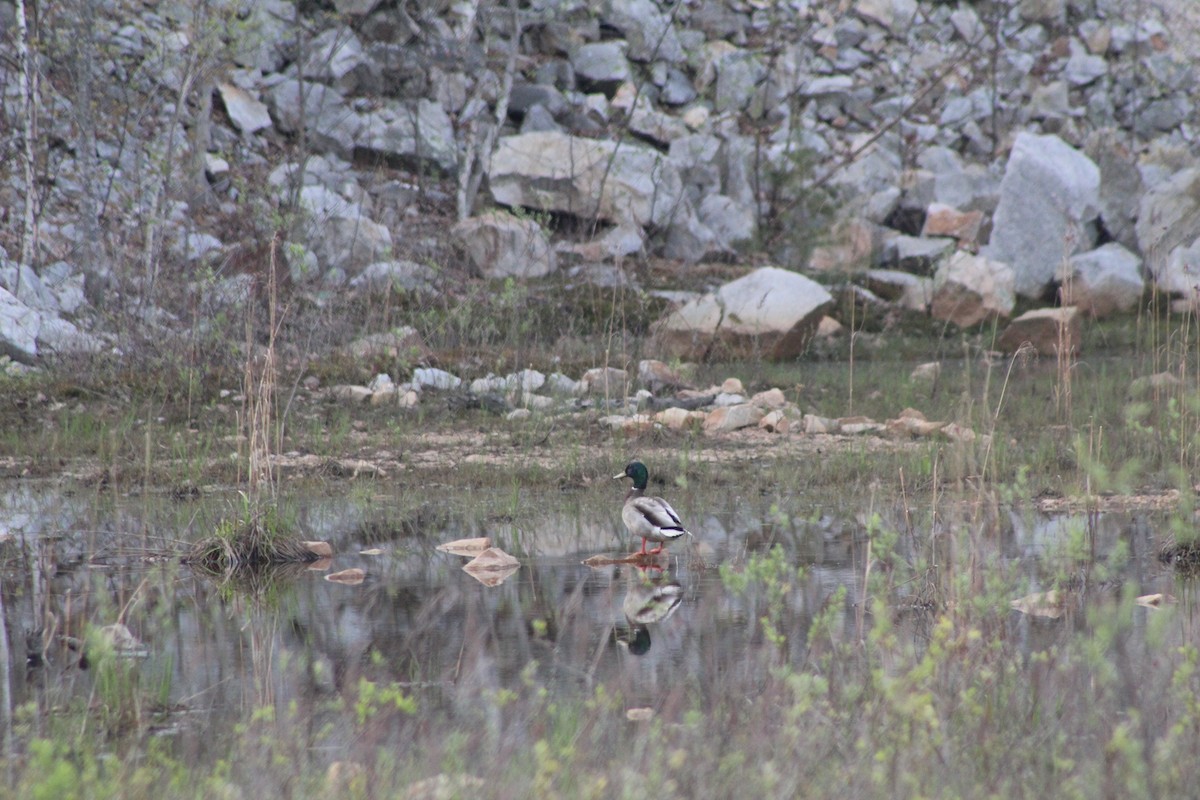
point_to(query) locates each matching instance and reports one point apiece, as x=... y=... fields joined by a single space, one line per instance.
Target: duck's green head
x=637 y=471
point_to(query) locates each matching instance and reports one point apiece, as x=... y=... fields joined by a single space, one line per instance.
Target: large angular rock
x=60 y=337
x=26 y=286
x=848 y=246
x=28 y=334
x=1181 y=274
x=1049 y=198
x=273 y=40
x=1048 y=330
x=1082 y=67
x=501 y=245
x=943 y=220
x=911 y=291
x=895 y=15
x=350 y=243
x=649 y=31
x=355 y=7
x=1103 y=280
x=19 y=327
x=401 y=344
x=644 y=119
x=401 y=275
x=690 y=240
x=247 y=113
x=916 y=254
x=602 y=65
x=321 y=202
x=320 y=110
x=336 y=56
x=963 y=186
x=731 y=418
x=66 y=285
x=1120 y=185
x=731 y=223
x=409 y=134
x=617 y=182
x=606 y=381
x=657 y=377
x=1053 y=12
x=770 y=312
x=696 y=159
x=739 y=76
x=1168 y=232
x=969 y=289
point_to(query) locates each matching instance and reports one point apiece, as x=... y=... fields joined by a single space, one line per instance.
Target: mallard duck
x=646 y=602
x=651 y=518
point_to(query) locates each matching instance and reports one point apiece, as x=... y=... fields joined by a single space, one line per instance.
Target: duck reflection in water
x=650 y=597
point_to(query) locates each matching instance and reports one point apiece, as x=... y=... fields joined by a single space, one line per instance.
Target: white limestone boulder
x=770 y=312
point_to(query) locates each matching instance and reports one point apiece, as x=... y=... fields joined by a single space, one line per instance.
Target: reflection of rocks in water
x=1183 y=556
x=648 y=600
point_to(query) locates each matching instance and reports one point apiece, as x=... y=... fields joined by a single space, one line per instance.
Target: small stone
x=384 y=394
x=913 y=292
x=677 y=418
x=381 y=382
x=829 y=327
x=1048 y=330
x=731 y=418
x=914 y=426
x=354 y=394
x=815 y=424
x=247 y=113
x=559 y=384
x=856 y=425
x=732 y=386
x=969 y=289
x=957 y=433
x=771 y=398
x=435 y=378
x=490 y=385
x=774 y=422
x=630 y=424
x=727 y=399
x=402 y=343
x=657 y=376
x=696 y=117
x=1102 y=281
x=943 y=220
x=527 y=380
x=537 y=402
x=605 y=381
x=519 y=414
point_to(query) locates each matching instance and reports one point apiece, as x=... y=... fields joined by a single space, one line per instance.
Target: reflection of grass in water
x=261 y=582
x=967 y=701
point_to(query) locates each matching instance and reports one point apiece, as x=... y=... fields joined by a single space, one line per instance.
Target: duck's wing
x=658 y=512
x=647 y=604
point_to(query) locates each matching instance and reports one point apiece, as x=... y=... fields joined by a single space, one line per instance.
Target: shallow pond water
x=712 y=624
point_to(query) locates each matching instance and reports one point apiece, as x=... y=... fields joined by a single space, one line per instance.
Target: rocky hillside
x=948 y=158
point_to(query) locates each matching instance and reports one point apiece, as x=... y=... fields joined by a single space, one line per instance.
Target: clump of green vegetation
x=257 y=539
x=248 y=544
